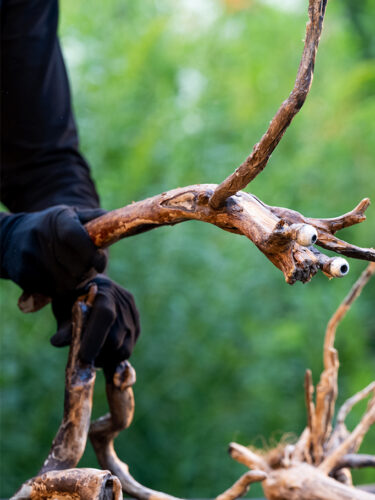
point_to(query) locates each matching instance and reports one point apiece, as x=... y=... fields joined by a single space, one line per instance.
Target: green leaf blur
x=173 y=93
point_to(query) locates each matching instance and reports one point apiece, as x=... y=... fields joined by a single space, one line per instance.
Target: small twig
x=309 y=391
x=300 y=452
x=247 y=457
x=242 y=486
x=342 y=310
x=262 y=151
x=352 y=442
x=310 y=407
x=349 y=403
x=335 y=224
x=326 y=394
x=355 y=461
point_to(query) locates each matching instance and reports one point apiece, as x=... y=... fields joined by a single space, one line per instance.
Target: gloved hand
x=49 y=252
x=112 y=328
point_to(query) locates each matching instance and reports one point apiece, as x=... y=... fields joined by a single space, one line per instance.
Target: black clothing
x=40 y=160
x=49 y=251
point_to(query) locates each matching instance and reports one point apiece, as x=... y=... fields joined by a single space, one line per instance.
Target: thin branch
x=309 y=391
x=242 y=486
x=247 y=457
x=327 y=227
x=326 y=394
x=355 y=461
x=352 y=442
x=301 y=452
x=262 y=151
x=342 y=310
x=349 y=403
x=329 y=242
x=351 y=218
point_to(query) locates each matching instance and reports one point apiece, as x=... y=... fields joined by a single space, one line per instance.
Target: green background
x=169 y=93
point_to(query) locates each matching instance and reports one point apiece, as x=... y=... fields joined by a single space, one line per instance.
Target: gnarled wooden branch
x=70 y=441
x=283 y=235
x=318 y=466
x=262 y=151
x=104 y=430
x=71 y=484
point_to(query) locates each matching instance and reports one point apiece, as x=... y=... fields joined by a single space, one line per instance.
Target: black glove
x=112 y=328
x=49 y=252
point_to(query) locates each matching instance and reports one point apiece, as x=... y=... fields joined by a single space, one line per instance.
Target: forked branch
x=318 y=466
x=284 y=236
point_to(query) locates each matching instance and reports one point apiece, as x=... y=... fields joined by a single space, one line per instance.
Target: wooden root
x=104 y=430
x=318 y=466
x=70 y=441
x=71 y=484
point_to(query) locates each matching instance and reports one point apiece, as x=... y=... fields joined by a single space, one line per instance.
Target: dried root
x=318 y=466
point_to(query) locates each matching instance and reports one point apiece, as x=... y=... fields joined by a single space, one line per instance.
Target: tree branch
x=70 y=441
x=262 y=151
x=352 y=442
x=342 y=310
x=248 y=457
x=242 y=485
x=355 y=461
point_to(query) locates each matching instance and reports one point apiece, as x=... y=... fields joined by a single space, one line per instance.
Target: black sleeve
x=40 y=159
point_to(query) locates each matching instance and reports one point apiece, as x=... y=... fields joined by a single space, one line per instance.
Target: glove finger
x=101 y=319
x=63 y=336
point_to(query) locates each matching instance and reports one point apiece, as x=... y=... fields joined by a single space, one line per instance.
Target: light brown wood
x=71 y=484
x=318 y=466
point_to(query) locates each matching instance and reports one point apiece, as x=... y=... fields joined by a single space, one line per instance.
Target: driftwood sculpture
x=317 y=466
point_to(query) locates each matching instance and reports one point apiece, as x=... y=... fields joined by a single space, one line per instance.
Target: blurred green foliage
x=174 y=93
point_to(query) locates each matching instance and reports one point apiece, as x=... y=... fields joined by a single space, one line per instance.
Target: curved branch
x=248 y=457
x=352 y=442
x=262 y=151
x=242 y=485
x=342 y=310
x=349 y=403
x=355 y=461
x=70 y=441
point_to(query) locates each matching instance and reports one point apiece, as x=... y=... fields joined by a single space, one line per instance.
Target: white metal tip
x=339 y=267
x=306 y=235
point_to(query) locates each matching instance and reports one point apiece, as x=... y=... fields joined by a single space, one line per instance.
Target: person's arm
x=40 y=158
x=48 y=251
